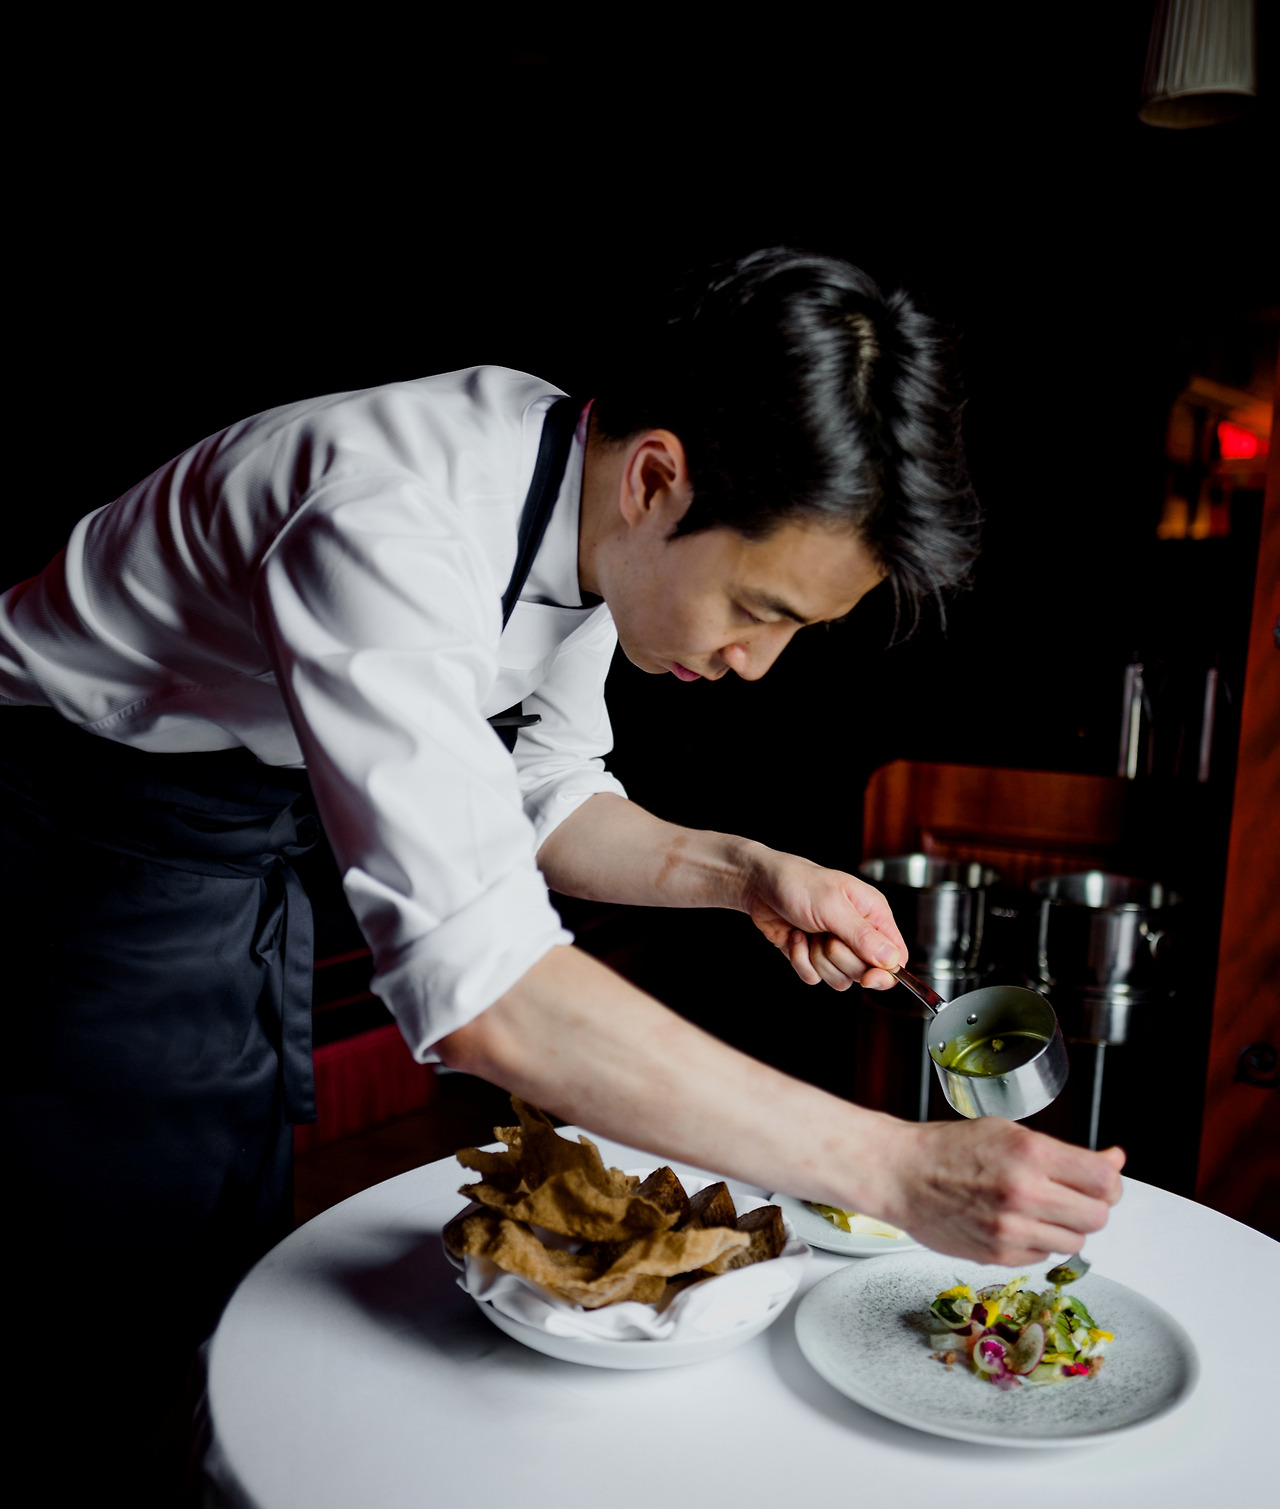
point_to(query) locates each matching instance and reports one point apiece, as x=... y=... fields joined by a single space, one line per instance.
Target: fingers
x=878 y=979
x=829 y=904
x=797 y=950
x=873 y=906
x=1072 y=1216
x=1038 y=1244
x=1096 y=1175
x=859 y=916
x=1010 y=1238
x=1004 y=1194
x=838 y=966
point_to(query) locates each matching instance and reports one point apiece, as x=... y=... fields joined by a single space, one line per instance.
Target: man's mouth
x=683 y=672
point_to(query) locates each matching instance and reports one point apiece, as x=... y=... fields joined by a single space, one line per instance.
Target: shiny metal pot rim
x=1102 y=891
x=995 y=1009
x=1023 y=1091
x=922 y=872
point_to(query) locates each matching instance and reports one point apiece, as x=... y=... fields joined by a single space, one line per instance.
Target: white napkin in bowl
x=712 y=1307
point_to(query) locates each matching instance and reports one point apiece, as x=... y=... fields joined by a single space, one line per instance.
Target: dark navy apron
x=157 y=977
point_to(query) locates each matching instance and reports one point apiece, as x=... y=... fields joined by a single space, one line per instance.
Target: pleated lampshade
x=1201 y=63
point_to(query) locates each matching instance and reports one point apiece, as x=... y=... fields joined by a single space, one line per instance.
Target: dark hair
x=800 y=392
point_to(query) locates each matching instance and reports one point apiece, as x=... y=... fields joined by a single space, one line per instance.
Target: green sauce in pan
x=987 y=1057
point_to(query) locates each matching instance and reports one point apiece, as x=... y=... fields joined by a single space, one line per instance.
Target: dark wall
x=251 y=215
x=212 y=221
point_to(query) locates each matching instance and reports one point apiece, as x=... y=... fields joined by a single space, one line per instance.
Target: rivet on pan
x=971 y=1020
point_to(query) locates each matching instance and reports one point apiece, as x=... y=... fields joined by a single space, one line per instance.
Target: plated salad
x=1009 y=1335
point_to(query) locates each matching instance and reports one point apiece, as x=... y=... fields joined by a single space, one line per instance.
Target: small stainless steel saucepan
x=997 y=1051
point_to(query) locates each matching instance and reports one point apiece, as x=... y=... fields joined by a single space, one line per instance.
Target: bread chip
x=766 y=1237
x=712 y=1206
x=666 y=1192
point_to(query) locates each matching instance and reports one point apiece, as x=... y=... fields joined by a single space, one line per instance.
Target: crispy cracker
x=500 y=1170
x=513 y=1247
x=626 y=1247
x=571 y=1205
x=672 y=1252
x=545 y=1154
x=646 y=1288
x=577 y=1276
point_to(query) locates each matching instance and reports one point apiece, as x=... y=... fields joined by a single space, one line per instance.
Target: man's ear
x=655 y=480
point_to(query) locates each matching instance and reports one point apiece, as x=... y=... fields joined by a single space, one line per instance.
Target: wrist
x=748 y=863
x=874 y=1181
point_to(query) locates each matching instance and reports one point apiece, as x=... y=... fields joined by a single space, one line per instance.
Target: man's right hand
x=996 y=1192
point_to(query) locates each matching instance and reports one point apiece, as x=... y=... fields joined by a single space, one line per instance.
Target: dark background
x=213 y=220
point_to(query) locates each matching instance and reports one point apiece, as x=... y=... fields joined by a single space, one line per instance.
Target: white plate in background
x=817 y=1231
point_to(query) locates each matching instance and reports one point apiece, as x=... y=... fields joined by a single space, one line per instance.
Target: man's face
x=705 y=604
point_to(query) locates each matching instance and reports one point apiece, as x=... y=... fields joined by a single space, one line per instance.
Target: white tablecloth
x=350 y=1372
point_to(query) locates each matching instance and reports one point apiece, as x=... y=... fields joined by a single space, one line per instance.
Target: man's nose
x=751 y=658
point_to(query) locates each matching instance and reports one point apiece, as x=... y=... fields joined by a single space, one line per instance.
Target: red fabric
x=363 y=1081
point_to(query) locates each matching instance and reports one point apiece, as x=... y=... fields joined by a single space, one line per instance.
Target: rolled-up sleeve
x=381 y=618
x=560 y=759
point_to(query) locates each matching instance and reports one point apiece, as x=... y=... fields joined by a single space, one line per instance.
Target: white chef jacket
x=322 y=584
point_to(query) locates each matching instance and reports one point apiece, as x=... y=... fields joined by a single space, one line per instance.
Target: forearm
x=583 y=1043
x=612 y=850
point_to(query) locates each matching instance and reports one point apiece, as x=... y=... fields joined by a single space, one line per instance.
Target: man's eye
x=749 y=615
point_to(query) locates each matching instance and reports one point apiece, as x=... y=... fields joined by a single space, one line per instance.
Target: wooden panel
x=1025 y=822
x=1240 y=1142
x=362 y=1082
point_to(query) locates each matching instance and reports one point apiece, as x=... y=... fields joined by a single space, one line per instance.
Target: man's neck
x=598 y=511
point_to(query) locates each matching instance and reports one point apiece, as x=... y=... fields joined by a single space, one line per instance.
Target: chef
x=361 y=601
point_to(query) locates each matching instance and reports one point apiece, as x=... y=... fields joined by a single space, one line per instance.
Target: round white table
x=350 y=1372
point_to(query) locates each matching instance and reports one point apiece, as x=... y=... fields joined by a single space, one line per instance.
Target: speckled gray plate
x=819 y=1232
x=865 y=1330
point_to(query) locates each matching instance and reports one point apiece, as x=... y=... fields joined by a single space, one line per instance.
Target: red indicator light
x=1235 y=443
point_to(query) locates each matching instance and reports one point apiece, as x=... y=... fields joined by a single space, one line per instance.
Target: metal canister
x=1100 y=936
x=939 y=905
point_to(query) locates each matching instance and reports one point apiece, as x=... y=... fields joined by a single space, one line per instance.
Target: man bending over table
x=330 y=602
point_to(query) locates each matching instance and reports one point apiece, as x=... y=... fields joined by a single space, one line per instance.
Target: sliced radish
x=990 y=1354
x=1025 y=1354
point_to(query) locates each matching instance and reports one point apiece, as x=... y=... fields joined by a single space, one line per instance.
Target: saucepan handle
x=920 y=990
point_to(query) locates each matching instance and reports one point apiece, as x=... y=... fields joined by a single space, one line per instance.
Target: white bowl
x=598 y=1352
x=690 y=1342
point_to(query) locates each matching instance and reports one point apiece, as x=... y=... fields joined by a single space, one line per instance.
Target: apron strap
x=548 y=473
x=284 y=943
